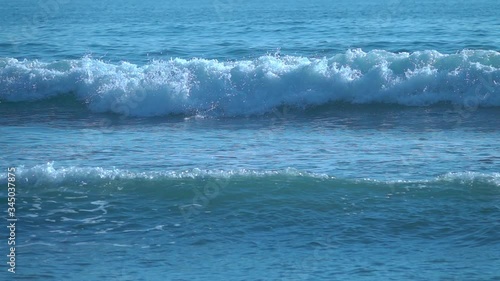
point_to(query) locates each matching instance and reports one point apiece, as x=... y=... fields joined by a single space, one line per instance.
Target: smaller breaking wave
x=48 y=174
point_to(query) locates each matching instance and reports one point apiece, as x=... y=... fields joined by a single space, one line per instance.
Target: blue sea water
x=252 y=140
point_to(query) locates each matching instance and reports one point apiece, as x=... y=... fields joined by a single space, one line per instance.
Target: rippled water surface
x=252 y=140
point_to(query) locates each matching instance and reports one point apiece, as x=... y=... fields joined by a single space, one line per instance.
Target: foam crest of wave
x=47 y=173
x=246 y=87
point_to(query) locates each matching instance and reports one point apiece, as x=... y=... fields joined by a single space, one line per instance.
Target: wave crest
x=247 y=87
x=48 y=174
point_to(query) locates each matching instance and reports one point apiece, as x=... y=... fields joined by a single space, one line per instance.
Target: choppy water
x=209 y=140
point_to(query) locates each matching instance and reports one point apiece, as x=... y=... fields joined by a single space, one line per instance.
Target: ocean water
x=251 y=140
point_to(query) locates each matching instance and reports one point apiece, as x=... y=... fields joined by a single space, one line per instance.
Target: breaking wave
x=251 y=87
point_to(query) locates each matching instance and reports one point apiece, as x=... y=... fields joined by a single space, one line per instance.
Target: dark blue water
x=209 y=140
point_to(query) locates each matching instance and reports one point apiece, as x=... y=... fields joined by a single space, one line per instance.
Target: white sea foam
x=47 y=174
x=180 y=86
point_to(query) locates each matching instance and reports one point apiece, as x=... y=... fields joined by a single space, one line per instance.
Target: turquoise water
x=238 y=140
